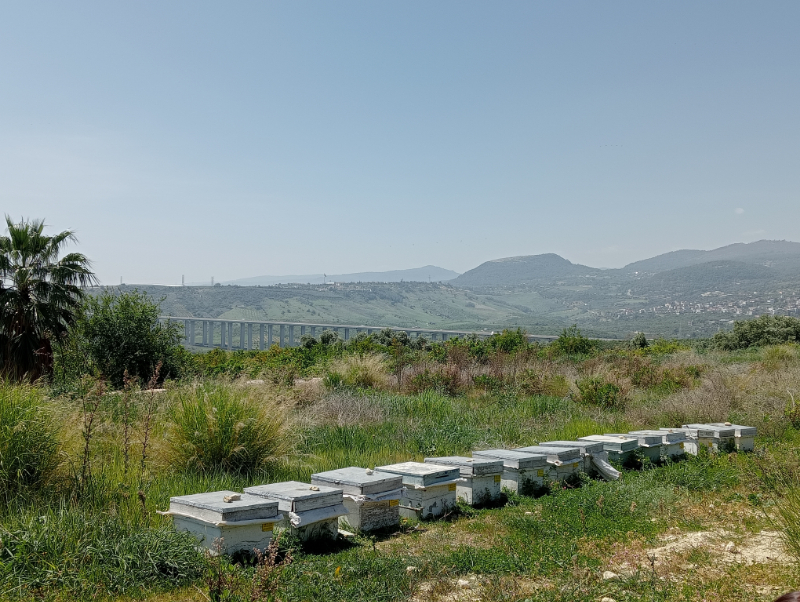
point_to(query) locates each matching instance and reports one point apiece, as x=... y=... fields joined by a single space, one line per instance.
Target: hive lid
x=720 y=432
x=513 y=459
x=470 y=467
x=420 y=473
x=739 y=429
x=586 y=447
x=692 y=433
x=554 y=454
x=294 y=496
x=358 y=481
x=666 y=437
x=645 y=440
x=212 y=506
x=617 y=443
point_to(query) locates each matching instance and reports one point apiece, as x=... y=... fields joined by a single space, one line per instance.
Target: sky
x=238 y=139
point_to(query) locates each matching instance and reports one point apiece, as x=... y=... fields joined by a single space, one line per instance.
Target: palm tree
x=40 y=296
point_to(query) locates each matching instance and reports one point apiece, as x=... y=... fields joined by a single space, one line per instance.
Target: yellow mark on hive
x=540 y=473
x=267 y=526
x=393 y=503
x=497 y=478
x=451 y=487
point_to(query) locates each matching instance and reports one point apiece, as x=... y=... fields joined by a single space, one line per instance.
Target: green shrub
x=28 y=443
x=542 y=383
x=227 y=428
x=597 y=392
x=359 y=371
x=572 y=342
x=639 y=341
x=446 y=380
x=508 y=341
x=764 y=330
x=121 y=333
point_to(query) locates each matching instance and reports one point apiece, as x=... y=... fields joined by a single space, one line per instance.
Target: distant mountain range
x=429 y=273
x=762 y=260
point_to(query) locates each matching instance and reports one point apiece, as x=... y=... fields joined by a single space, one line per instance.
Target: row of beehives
x=366 y=500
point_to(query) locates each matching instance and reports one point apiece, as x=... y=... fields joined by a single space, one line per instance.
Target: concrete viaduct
x=246 y=334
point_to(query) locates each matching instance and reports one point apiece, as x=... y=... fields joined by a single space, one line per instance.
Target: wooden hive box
x=243 y=524
x=724 y=436
x=480 y=481
x=672 y=444
x=523 y=473
x=744 y=436
x=371 y=497
x=564 y=461
x=312 y=511
x=589 y=450
x=429 y=490
x=696 y=438
x=649 y=445
x=620 y=448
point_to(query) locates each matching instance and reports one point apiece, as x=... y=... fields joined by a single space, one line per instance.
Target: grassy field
x=716 y=527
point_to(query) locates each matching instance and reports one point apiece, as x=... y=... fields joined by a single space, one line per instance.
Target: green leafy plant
x=40 y=296
x=597 y=392
x=227 y=428
x=572 y=342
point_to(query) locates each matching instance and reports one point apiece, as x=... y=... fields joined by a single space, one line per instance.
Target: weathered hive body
x=589 y=450
x=523 y=473
x=227 y=527
x=649 y=445
x=744 y=436
x=620 y=448
x=564 y=461
x=672 y=444
x=696 y=438
x=372 y=498
x=724 y=436
x=480 y=479
x=312 y=511
x=429 y=490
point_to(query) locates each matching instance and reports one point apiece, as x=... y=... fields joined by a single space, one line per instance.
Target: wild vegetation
x=92 y=450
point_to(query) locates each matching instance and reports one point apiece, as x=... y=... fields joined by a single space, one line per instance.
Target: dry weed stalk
x=150 y=408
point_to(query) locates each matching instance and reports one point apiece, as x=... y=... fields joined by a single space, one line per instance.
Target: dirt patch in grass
x=473 y=588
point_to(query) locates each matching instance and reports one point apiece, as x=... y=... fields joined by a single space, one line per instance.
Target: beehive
x=620 y=448
x=724 y=436
x=312 y=511
x=523 y=473
x=744 y=436
x=479 y=481
x=371 y=497
x=590 y=450
x=244 y=523
x=696 y=438
x=672 y=444
x=429 y=490
x=564 y=461
x=649 y=445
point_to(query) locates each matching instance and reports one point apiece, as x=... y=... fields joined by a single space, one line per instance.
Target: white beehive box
x=429 y=490
x=480 y=480
x=589 y=450
x=523 y=473
x=620 y=448
x=312 y=511
x=371 y=497
x=745 y=436
x=649 y=445
x=672 y=444
x=243 y=524
x=696 y=438
x=724 y=436
x=564 y=461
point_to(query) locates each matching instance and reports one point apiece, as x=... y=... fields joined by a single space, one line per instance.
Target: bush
x=572 y=342
x=121 y=332
x=597 y=392
x=639 y=341
x=764 y=330
x=444 y=379
x=359 y=371
x=28 y=444
x=227 y=428
x=542 y=383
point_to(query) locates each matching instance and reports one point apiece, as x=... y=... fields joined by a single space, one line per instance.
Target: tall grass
x=28 y=441
x=224 y=427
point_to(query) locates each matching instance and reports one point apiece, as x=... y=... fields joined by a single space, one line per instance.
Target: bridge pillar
x=282 y=335
x=249 y=336
x=291 y=335
x=314 y=331
x=261 y=337
x=269 y=336
x=230 y=336
x=346 y=334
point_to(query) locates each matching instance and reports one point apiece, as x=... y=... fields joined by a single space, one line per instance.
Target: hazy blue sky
x=236 y=139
